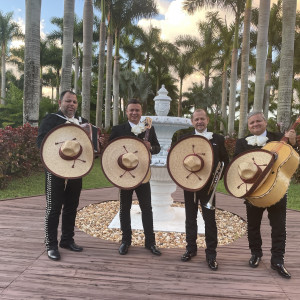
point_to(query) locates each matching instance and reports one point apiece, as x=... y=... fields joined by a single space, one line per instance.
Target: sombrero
x=247 y=172
x=67 y=152
x=125 y=162
x=190 y=162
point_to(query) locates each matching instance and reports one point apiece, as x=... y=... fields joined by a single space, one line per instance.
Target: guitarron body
x=277 y=183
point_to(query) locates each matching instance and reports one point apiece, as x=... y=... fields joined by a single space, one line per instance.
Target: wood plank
x=99 y=272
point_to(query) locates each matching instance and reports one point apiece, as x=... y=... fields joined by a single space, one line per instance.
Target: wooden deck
x=99 y=272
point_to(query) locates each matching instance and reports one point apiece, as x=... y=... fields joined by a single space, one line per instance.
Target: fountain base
x=175 y=224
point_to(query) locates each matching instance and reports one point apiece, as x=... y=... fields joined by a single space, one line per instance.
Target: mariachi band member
x=198 y=164
x=61 y=194
x=133 y=128
x=258 y=137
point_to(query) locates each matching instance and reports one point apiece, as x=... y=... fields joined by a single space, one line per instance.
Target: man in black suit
x=59 y=193
x=143 y=192
x=200 y=121
x=259 y=136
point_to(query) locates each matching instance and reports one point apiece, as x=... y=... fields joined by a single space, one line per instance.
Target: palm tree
x=8 y=31
x=148 y=40
x=244 y=70
x=108 y=68
x=182 y=65
x=124 y=12
x=66 y=72
x=100 y=85
x=237 y=6
x=286 y=63
x=225 y=34
x=54 y=60
x=261 y=53
x=274 y=45
x=87 y=58
x=77 y=39
x=142 y=88
x=32 y=63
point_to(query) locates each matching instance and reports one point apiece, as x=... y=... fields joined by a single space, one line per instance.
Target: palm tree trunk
x=66 y=72
x=286 y=63
x=180 y=98
x=116 y=79
x=108 y=79
x=3 y=74
x=244 y=71
x=267 y=85
x=233 y=79
x=32 y=63
x=224 y=98
x=261 y=54
x=87 y=57
x=100 y=85
x=76 y=75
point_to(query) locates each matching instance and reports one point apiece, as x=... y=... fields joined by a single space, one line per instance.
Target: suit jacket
x=49 y=122
x=219 y=153
x=242 y=145
x=125 y=130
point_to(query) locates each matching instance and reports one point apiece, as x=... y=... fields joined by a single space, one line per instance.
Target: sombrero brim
x=114 y=173
x=181 y=176
x=67 y=168
x=232 y=180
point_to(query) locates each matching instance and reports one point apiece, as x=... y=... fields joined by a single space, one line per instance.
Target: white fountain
x=165 y=216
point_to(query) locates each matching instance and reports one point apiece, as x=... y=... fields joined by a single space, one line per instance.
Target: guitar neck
x=294 y=126
x=146 y=138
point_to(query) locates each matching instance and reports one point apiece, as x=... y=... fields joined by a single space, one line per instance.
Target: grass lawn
x=34 y=185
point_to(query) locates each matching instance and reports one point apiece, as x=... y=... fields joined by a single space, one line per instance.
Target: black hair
x=64 y=92
x=134 y=101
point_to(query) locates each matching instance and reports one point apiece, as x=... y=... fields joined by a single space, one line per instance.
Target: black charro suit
x=191 y=207
x=276 y=214
x=143 y=191
x=58 y=194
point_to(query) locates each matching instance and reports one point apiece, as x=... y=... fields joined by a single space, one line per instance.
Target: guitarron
x=277 y=183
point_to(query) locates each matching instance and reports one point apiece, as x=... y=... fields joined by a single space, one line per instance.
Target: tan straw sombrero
x=190 y=162
x=67 y=152
x=247 y=172
x=125 y=162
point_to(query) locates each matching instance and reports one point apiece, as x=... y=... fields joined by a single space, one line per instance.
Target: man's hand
x=291 y=135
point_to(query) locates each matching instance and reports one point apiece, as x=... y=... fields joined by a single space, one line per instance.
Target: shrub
x=19 y=154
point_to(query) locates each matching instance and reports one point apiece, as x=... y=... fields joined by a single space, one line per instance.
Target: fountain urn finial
x=162 y=102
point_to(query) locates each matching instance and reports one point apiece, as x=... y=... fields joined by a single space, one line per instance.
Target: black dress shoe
x=123 y=249
x=154 y=250
x=188 y=255
x=282 y=271
x=254 y=261
x=72 y=247
x=53 y=254
x=212 y=263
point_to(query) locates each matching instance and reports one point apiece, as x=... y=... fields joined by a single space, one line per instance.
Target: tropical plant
x=8 y=31
x=237 y=6
x=123 y=14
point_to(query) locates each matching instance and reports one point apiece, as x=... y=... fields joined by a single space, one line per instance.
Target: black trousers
x=191 y=228
x=60 y=198
x=277 y=218
x=143 y=193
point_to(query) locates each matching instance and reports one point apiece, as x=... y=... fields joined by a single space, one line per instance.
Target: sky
x=172 y=20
